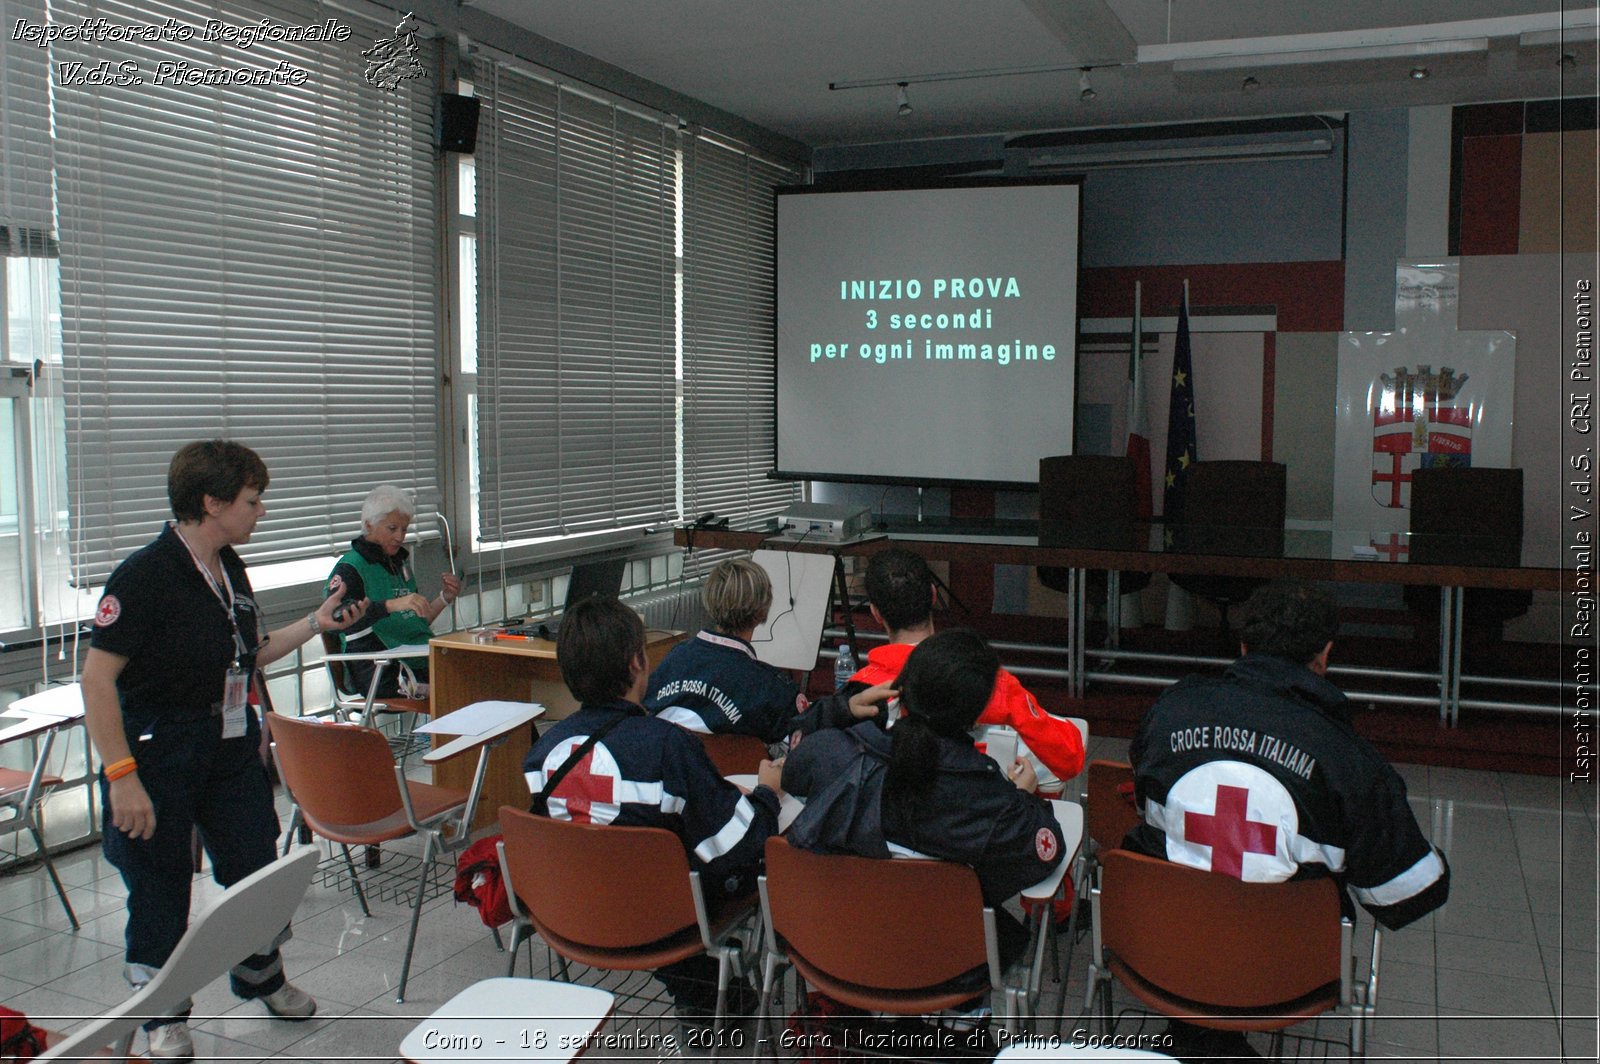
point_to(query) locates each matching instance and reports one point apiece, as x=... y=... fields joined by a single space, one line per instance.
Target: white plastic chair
x=245 y=918
x=491 y=1019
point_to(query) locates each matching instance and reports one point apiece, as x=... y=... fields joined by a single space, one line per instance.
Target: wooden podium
x=462 y=671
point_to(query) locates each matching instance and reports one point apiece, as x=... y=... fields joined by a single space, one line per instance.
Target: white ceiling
x=771 y=61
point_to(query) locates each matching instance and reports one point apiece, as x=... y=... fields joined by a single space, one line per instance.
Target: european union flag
x=1181 y=450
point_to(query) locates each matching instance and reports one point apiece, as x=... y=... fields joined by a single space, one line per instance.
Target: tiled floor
x=1506 y=971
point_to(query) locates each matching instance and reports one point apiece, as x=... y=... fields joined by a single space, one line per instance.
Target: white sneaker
x=172 y=1041
x=289 y=1002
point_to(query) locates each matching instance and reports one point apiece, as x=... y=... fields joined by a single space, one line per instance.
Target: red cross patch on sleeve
x=108 y=612
x=1044 y=844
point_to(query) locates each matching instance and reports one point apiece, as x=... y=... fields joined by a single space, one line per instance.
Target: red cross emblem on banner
x=1229 y=832
x=1417 y=422
x=583 y=787
x=1394 y=549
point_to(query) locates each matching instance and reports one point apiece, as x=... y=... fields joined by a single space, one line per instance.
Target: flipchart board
x=792 y=633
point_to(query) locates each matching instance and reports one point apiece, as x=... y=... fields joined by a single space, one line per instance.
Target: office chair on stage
x=1233 y=508
x=1467 y=516
x=1089 y=500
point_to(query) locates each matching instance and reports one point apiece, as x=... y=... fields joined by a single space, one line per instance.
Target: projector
x=821 y=523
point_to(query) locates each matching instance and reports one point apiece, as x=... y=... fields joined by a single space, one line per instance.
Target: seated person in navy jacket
x=714 y=683
x=646 y=772
x=1257 y=774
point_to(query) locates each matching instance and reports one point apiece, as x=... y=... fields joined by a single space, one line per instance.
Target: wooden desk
x=462 y=671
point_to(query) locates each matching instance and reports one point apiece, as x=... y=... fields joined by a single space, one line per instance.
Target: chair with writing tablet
x=935 y=948
x=579 y=887
x=36 y=719
x=238 y=923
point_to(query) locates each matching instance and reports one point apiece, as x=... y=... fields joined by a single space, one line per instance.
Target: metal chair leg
x=416 y=918
x=50 y=867
x=355 y=879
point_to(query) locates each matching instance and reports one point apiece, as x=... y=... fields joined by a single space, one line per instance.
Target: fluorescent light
x=1375 y=37
x=1313 y=148
x=1571 y=35
x=1412 y=50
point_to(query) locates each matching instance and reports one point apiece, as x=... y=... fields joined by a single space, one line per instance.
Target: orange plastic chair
x=913 y=957
x=348 y=789
x=734 y=755
x=1109 y=815
x=1223 y=953
x=617 y=898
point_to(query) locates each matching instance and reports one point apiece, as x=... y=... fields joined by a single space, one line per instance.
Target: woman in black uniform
x=177 y=637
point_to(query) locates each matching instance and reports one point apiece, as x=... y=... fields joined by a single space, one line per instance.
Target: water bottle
x=844 y=666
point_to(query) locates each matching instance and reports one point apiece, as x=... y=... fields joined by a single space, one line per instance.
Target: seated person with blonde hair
x=714 y=683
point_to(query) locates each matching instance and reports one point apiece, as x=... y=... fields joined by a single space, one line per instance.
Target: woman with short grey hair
x=377 y=567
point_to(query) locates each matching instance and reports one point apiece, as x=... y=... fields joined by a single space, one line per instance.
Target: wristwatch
x=313 y=623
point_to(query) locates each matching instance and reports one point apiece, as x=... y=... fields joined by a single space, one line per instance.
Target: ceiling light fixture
x=1085 y=90
x=1419 y=73
x=1309 y=147
x=1243 y=60
x=954 y=75
x=904 y=101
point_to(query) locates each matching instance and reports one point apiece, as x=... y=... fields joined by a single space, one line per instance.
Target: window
x=248 y=261
x=575 y=393
x=729 y=385
x=602 y=396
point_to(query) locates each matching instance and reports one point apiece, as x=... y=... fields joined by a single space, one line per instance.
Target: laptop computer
x=603 y=578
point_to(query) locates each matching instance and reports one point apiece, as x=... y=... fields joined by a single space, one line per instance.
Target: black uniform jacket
x=1258 y=774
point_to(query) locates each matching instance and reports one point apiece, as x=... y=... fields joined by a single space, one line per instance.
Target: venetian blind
x=25 y=207
x=248 y=261
x=575 y=310
x=729 y=381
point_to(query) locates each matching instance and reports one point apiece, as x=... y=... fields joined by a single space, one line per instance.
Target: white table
x=788 y=808
x=511 y=1019
x=1070 y=816
x=483 y=725
x=64 y=702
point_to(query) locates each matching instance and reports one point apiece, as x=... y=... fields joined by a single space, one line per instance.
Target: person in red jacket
x=900 y=593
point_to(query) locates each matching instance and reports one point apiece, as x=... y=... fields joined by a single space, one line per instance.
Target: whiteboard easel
x=791 y=635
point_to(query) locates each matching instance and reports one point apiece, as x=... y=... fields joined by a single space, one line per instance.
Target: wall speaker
x=456 y=123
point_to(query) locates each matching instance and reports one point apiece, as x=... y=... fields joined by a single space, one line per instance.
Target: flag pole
x=1182 y=448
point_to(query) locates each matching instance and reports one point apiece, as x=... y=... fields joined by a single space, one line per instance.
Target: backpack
x=478 y=882
x=19 y=1039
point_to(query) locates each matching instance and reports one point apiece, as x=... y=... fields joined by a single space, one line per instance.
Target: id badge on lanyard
x=235 y=702
x=236 y=684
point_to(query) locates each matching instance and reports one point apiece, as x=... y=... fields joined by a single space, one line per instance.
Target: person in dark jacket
x=714 y=683
x=1258 y=774
x=900 y=594
x=923 y=787
x=646 y=772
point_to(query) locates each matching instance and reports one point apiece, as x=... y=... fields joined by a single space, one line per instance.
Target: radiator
x=677 y=608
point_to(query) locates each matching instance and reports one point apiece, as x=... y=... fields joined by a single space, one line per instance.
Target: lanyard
x=226 y=600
